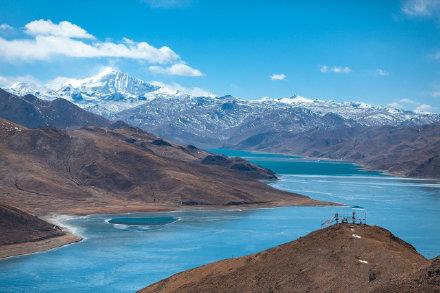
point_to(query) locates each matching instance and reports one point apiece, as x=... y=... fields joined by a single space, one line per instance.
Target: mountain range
x=107 y=93
x=33 y=112
x=209 y=120
x=298 y=125
x=64 y=159
x=89 y=162
x=407 y=150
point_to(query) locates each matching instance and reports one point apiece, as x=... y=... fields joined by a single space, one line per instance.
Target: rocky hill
x=427 y=280
x=408 y=150
x=122 y=168
x=400 y=143
x=33 y=112
x=341 y=258
x=208 y=120
x=17 y=226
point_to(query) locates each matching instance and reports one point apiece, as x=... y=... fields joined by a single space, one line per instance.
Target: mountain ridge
x=121 y=167
x=32 y=112
x=339 y=258
x=295 y=125
x=409 y=150
x=112 y=91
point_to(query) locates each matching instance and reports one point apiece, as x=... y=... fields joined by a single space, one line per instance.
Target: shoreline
x=73 y=234
x=364 y=166
x=27 y=248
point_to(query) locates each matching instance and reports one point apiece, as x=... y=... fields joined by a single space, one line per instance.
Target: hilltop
x=340 y=258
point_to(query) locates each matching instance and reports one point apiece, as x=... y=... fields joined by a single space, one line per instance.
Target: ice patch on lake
x=120 y=226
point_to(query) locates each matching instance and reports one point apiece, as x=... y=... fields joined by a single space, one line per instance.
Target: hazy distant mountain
x=409 y=149
x=32 y=112
x=227 y=120
x=210 y=120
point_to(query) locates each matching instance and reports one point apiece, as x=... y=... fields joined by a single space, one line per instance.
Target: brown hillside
x=409 y=150
x=33 y=112
x=341 y=258
x=120 y=168
x=17 y=226
x=425 y=280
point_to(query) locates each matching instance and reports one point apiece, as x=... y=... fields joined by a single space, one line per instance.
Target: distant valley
x=406 y=150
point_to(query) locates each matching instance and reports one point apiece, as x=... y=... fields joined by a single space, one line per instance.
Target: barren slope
x=33 y=112
x=408 y=150
x=341 y=258
x=17 y=226
x=121 y=168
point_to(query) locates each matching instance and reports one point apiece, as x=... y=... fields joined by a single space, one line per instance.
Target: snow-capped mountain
x=360 y=112
x=24 y=88
x=228 y=120
x=107 y=93
x=176 y=114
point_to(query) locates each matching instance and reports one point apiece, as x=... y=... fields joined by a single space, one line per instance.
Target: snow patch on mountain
x=107 y=93
x=115 y=94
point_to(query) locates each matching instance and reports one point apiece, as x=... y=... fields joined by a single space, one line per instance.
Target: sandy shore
x=134 y=208
x=37 y=246
x=72 y=234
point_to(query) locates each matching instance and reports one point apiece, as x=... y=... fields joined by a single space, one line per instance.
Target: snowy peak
x=111 y=91
x=24 y=88
x=297 y=100
x=111 y=81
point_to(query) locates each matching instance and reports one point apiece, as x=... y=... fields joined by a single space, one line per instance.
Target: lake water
x=138 y=249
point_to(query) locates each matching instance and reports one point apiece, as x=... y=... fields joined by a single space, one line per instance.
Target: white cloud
x=435 y=94
x=176 y=69
x=408 y=101
x=404 y=103
x=417 y=107
x=58 y=82
x=167 y=3
x=173 y=88
x=6 y=27
x=382 y=72
x=6 y=81
x=280 y=76
x=395 y=105
x=50 y=40
x=46 y=47
x=335 y=69
x=63 y=29
x=420 y=7
x=423 y=109
x=324 y=68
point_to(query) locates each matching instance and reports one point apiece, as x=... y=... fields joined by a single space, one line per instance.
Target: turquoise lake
x=141 y=248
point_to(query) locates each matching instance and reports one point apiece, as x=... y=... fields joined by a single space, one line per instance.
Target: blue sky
x=379 y=52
